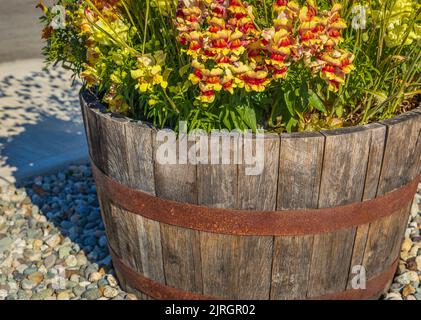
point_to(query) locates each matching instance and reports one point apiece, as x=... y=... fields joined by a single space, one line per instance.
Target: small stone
x=91 y=294
x=5 y=244
x=81 y=259
x=63 y=296
x=393 y=296
x=27 y=284
x=36 y=277
x=411 y=297
x=407 y=277
x=29 y=271
x=64 y=252
x=37 y=244
x=75 y=278
x=407 y=244
x=407 y=290
x=50 y=261
x=71 y=261
x=131 y=296
x=95 y=276
x=23 y=295
x=110 y=292
x=3 y=294
x=53 y=241
x=71 y=284
x=42 y=295
x=78 y=290
x=112 y=281
x=84 y=283
x=103 y=241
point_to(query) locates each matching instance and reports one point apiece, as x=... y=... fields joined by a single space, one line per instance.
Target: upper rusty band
x=258 y=223
x=160 y=291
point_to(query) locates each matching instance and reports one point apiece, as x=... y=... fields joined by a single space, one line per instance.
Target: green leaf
x=184 y=69
x=315 y=101
x=226 y=120
x=289 y=102
x=291 y=123
x=249 y=117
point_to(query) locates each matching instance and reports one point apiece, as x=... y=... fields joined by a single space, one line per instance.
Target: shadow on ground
x=41 y=127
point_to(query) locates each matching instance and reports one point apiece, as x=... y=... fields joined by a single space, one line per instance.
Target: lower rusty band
x=258 y=223
x=159 y=291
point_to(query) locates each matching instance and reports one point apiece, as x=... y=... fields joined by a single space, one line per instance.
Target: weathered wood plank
x=236 y=267
x=95 y=141
x=343 y=178
x=140 y=244
x=128 y=250
x=378 y=246
x=182 y=258
x=217 y=183
x=344 y=166
x=300 y=168
x=139 y=146
x=330 y=262
x=232 y=266
x=291 y=264
x=375 y=159
x=181 y=247
x=358 y=251
x=258 y=192
x=114 y=148
x=176 y=181
x=401 y=161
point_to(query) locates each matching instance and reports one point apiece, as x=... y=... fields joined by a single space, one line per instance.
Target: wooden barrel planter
x=325 y=202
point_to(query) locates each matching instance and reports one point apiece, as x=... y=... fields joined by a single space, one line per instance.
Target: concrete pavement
x=41 y=128
x=20 y=30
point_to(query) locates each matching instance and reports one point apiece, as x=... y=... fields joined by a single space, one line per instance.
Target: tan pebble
x=110 y=292
x=101 y=290
x=36 y=277
x=411 y=297
x=131 y=296
x=112 y=281
x=95 y=276
x=53 y=241
x=414 y=251
x=70 y=272
x=404 y=255
x=63 y=296
x=407 y=244
x=37 y=244
x=102 y=271
x=407 y=290
x=393 y=296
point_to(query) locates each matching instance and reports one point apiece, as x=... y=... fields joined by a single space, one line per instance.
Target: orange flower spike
x=285 y=13
x=336 y=64
x=334 y=25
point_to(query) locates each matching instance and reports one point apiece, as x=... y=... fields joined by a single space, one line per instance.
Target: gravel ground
x=52 y=241
x=53 y=245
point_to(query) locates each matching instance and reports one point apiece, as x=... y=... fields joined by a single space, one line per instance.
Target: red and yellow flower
x=334 y=65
